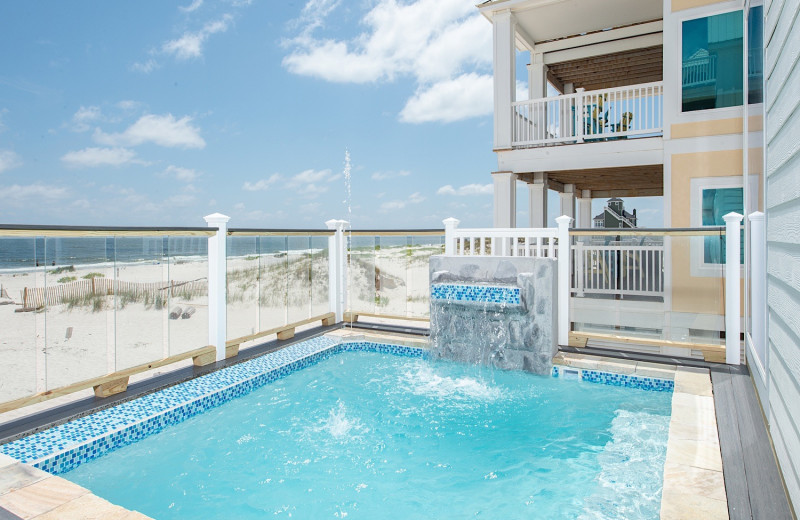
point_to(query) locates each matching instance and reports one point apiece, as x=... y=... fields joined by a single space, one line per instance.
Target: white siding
x=782 y=105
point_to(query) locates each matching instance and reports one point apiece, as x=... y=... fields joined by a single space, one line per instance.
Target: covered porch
x=575 y=187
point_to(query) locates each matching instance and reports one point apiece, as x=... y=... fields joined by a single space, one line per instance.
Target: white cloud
x=161 y=130
x=262 y=184
x=468 y=189
x=432 y=41
x=182 y=174
x=382 y=176
x=93 y=157
x=311 y=191
x=9 y=159
x=311 y=176
x=414 y=198
x=468 y=95
x=190 y=44
x=84 y=116
x=37 y=191
x=128 y=105
x=191 y=7
x=145 y=67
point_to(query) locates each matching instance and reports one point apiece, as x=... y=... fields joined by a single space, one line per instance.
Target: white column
x=564 y=255
x=505 y=199
x=733 y=313
x=537 y=77
x=217 y=283
x=585 y=209
x=537 y=203
x=758 y=287
x=337 y=268
x=568 y=201
x=450 y=226
x=505 y=81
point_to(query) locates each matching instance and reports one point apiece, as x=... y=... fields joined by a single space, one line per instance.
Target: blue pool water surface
x=369 y=435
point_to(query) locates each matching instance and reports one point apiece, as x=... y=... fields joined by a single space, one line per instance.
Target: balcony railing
x=608 y=114
x=700 y=71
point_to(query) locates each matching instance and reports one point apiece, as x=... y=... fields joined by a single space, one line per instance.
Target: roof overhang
x=541 y=21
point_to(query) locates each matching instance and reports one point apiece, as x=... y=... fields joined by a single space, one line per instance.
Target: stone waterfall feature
x=498 y=311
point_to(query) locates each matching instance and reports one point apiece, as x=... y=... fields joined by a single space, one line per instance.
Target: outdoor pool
x=365 y=434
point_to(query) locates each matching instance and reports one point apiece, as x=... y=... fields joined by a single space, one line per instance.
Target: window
x=717 y=202
x=712 y=61
x=755 y=59
x=711 y=199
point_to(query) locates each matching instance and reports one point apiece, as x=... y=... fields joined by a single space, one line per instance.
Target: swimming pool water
x=369 y=435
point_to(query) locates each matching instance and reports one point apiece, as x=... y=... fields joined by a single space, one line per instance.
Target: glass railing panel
x=21 y=327
x=78 y=303
x=652 y=287
x=141 y=300
x=391 y=273
x=362 y=281
x=243 y=286
x=418 y=284
x=273 y=298
x=320 y=303
x=299 y=278
x=188 y=293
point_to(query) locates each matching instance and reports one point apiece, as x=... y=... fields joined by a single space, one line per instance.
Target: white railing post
x=337 y=268
x=563 y=278
x=579 y=117
x=450 y=226
x=732 y=290
x=758 y=285
x=217 y=283
x=579 y=268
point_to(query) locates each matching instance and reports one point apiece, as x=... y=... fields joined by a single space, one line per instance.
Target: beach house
x=690 y=100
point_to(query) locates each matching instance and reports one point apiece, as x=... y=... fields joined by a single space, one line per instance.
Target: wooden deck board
x=770 y=499
x=752 y=482
x=730 y=445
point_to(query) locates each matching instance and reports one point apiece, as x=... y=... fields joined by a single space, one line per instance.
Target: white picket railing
x=613 y=113
x=700 y=71
x=618 y=269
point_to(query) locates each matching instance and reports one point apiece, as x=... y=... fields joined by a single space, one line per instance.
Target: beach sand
x=66 y=343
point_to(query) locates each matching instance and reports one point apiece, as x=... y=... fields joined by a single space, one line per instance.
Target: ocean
x=16 y=253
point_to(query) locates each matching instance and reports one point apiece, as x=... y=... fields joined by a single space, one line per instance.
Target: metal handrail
x=27 y=230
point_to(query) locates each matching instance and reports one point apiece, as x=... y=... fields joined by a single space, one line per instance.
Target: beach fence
x=37 y=297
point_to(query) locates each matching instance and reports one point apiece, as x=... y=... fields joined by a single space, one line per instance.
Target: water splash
x=348 y=201
x=338 y=425
x=423 y=380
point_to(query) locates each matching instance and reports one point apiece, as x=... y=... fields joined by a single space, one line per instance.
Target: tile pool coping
x=66 y=446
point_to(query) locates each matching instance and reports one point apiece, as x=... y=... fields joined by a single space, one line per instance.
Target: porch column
x=505 y=80
x=585 y=209
x=505 y=199
x=568 y=201
x=537 y=200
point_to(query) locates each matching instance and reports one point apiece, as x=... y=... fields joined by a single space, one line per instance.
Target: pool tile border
x=62 y=448
x=613 y=379
x=476 y=293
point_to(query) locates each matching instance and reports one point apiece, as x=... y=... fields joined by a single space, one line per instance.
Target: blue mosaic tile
x=476 y=293
x=608 y=378
x=64 y=447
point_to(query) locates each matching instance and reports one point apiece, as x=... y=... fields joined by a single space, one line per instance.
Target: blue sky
x=157 y=113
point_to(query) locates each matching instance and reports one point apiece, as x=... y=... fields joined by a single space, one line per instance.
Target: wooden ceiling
x=630 y=181
x=611 y=70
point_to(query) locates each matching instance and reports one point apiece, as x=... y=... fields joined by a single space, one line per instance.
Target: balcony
x=596 y=115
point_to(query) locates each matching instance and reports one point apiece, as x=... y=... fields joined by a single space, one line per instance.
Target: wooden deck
x=752 y=480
